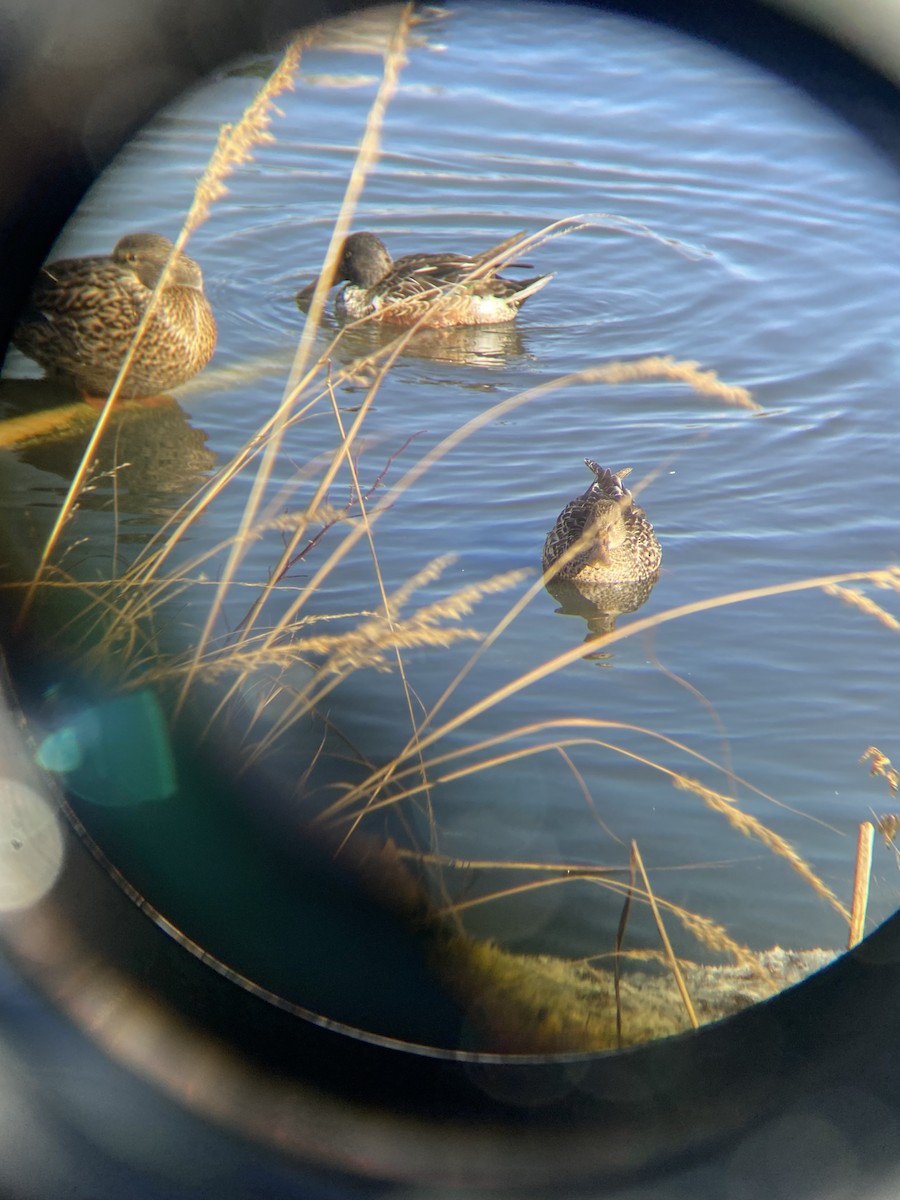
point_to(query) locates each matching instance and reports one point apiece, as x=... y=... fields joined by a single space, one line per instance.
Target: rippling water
x=727 y=220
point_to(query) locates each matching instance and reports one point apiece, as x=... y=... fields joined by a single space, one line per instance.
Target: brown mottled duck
x=83 y=313
x=610 y=539
x=400 y=291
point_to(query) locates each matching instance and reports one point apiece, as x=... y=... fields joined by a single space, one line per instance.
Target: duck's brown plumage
x=612 y=539
x=399 y=291
x=83 y=313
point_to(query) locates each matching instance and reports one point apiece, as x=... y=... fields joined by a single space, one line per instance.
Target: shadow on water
x=175 y=824
x=174 y=816
x=150 y=446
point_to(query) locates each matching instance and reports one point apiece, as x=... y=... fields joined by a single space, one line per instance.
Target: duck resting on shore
x=82 y=315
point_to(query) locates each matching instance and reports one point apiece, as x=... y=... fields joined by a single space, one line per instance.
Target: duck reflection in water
x=601 y=557
x=600 y=604
x=488 y=346
x=151 y=457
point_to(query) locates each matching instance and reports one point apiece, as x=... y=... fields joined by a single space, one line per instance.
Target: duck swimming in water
x=83 y=313
x=611 y=540
x=399 y=292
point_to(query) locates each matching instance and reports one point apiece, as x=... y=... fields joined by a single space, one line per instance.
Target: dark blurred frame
x=331 y=1111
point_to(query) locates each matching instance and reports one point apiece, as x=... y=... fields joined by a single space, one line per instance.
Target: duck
x=609 y=537
x=82 y=315
x=400 y=291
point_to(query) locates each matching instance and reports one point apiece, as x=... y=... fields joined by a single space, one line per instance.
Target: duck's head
x=147 y=253
x=611 y=500
x=364 y=260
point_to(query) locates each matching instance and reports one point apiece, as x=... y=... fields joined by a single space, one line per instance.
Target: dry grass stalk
x=707 y=932
x=461 y=603
x=504 y=864
x=750 y=827
x=361 y=794
x=593 y=374
x=137 y=596
x=643 y=368
x=430 y=573
x=715 y=937
x=589 y=803
x=664 y=938
x=557 y=744
x=367 y=155
x=368 y=643
x=161 y=546
x=365 y=646
x=579 y=222
x=234 y=146
x=345 y=653
x=527 y=679
x=889 y=579
x=236 y=143
x=620 y=938
x=861 y=877
x=392 y=605
x=881 y=765
x=888 y=825
x=632 y=629
x=707 y=383
x=520 y=889
x=567 y=876
x=857 y=599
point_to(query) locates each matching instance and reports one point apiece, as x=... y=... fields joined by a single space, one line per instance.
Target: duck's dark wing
x=444 y=269
x=416 y=275
x=569 y=526
x=79 y=311
x=75 y=285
